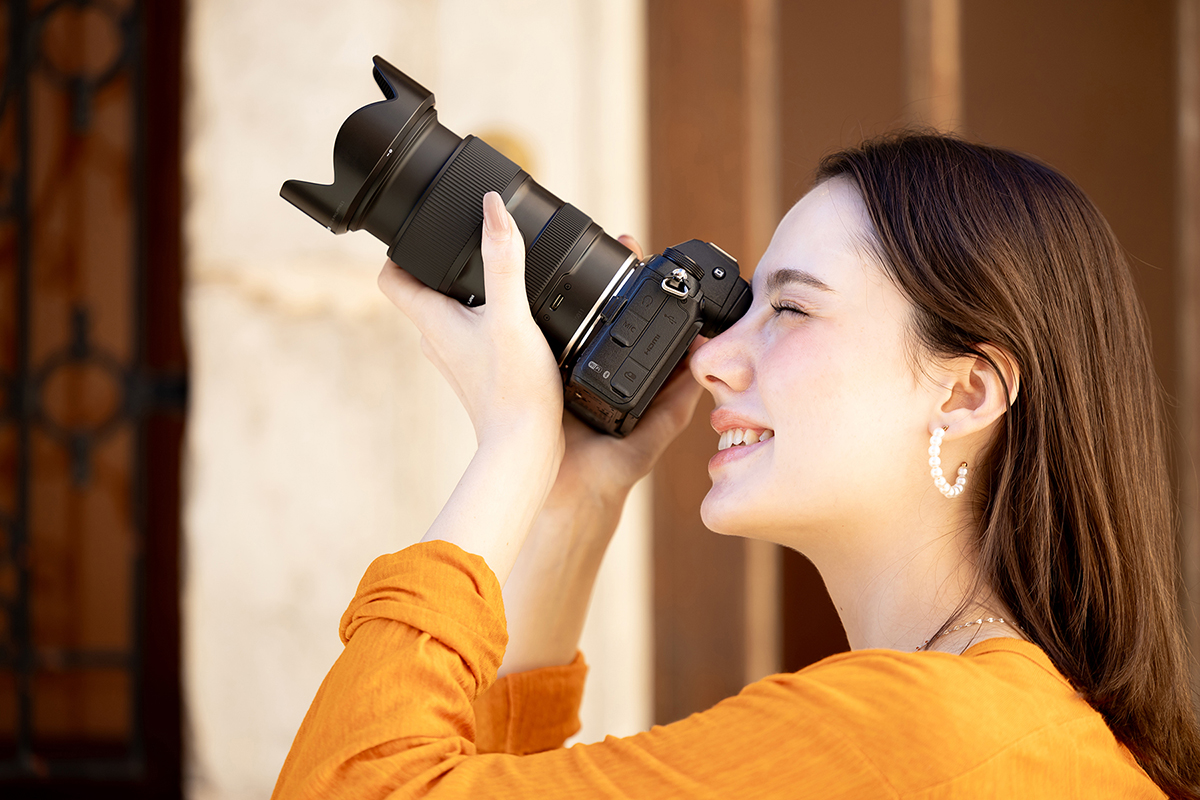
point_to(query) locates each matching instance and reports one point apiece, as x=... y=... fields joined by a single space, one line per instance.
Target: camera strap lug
x=676 y=283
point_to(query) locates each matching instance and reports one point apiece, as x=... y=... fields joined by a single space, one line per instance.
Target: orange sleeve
x=529 y=712
x=424 y=637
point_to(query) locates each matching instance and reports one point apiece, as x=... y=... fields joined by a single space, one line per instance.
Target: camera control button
x=628 y=328
x=656 y=341
x=629 y=378
x=648 y=300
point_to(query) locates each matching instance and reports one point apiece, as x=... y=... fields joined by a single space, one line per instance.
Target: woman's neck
x=896 y=588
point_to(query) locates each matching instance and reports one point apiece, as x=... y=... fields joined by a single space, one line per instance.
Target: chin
x=721 y=516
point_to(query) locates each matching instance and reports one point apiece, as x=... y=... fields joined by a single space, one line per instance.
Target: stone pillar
x=319 y=437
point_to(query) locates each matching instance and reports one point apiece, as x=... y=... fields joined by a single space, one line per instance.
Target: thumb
x=503 y=251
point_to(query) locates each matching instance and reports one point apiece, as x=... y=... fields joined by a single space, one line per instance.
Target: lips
x=741 y=437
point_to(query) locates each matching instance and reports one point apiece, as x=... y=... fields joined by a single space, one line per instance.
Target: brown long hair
x=1076 y=532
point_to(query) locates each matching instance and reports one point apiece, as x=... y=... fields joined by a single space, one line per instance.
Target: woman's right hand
x=598 y=471
x=602 y=469
x=547 y=596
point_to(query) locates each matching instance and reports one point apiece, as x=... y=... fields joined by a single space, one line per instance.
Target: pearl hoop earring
x=935 y=467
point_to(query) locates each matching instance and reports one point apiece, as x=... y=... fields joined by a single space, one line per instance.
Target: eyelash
x=780 y=308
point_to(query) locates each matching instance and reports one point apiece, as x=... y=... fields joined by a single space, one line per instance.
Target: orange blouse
x=406 y=711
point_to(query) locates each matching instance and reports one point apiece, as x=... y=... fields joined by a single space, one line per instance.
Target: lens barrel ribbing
x=451 y=213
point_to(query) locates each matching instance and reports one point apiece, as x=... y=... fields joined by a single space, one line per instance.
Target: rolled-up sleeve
x=531 y=712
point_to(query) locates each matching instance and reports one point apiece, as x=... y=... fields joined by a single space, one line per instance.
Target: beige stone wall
x=319 y=437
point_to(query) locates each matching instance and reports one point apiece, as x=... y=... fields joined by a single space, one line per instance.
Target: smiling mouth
x=737 y=436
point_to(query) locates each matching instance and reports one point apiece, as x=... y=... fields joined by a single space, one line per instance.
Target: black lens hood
x=367 y=142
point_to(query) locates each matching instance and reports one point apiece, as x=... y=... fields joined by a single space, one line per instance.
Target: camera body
x=617 y=326
x=644 y=330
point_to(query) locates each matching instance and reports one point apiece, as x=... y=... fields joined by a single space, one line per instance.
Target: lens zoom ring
x=452 y=212
x=551 y=247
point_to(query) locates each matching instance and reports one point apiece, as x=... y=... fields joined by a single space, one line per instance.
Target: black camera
x=617 y=326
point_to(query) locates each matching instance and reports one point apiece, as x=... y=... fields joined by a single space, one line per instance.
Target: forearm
x=547 y=596
x=492 y=509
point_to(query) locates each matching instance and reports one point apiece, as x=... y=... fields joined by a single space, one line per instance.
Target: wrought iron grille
x=75 y=391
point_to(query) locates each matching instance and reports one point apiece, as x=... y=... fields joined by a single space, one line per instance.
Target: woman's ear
x=979 y=389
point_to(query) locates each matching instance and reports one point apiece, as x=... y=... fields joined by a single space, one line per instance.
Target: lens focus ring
x=452 y=212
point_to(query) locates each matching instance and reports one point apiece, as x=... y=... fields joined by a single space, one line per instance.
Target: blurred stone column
x=319 y=437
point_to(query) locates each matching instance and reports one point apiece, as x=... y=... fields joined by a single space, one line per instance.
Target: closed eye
x=788 y=308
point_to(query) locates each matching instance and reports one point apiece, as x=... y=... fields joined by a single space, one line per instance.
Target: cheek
x=842 y=402
x=810 y=385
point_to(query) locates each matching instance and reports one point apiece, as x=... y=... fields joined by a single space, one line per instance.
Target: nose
x=722 y=364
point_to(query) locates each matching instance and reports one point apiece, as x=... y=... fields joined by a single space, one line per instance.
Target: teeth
x=736 y=436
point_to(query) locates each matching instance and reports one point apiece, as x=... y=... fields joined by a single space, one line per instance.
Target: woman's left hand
x=494 y=356
x=501 y=367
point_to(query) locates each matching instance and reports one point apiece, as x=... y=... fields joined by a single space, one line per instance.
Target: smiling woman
x=930 y=302
x=1007 y=262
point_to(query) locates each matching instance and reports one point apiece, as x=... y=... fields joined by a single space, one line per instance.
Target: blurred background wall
x=319 y=436
x=212 y=422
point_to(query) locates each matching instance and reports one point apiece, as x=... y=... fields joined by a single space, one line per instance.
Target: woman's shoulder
x=987 y=668
x=998 y=712
x=1009 y=683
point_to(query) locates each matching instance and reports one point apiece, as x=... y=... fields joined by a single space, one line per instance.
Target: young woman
x=942 y=395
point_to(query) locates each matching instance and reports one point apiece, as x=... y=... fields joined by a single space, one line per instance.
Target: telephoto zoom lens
x=416 y=186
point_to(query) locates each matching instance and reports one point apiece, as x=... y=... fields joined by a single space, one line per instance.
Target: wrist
x=493 y=507
x=523 y=445
x=588 y=499
x=533 y=424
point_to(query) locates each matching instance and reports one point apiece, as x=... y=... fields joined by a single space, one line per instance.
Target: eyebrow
x=782 y=277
